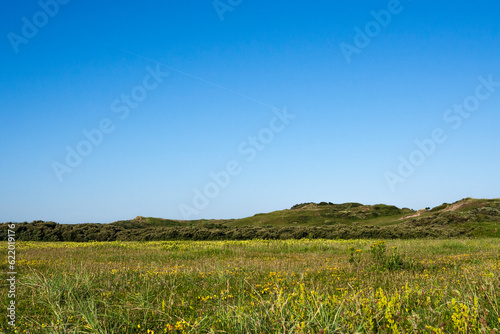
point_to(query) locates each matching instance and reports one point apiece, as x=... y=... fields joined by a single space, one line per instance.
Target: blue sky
x=354 y=114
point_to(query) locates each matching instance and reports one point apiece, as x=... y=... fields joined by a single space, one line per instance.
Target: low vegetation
x=258 y=286
x=466 y=218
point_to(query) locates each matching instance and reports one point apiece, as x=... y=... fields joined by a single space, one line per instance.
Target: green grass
x=321 y=214
x=307 y=214
x=258 y=286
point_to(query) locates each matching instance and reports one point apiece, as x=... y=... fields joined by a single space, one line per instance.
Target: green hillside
x=465 y=218
x=312 y=214
x=484 y=213
x=306 y=214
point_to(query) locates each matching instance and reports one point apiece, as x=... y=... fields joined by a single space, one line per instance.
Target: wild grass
x=258 y=286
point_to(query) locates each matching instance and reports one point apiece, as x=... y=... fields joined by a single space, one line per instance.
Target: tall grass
x=259 y=286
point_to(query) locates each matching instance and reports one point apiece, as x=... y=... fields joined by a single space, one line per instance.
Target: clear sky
x=111 y=110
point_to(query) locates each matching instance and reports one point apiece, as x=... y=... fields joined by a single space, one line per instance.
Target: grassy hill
x=468 y=217
x=306 y=214
x=479 y=216
x=312 y=214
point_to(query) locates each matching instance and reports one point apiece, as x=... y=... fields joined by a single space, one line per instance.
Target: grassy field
x=257 y=286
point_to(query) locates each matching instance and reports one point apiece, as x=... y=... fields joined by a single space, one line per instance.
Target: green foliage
x=49 y=231
x=385 y=210
x=378 y=252
x=392 y=262
x=465 y=218
x=395 y=261
x=354 y=255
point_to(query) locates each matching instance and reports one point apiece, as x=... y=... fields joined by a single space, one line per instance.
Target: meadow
x=257 y=286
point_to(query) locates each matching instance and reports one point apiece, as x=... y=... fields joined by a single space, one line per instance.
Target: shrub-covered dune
x=468 y=217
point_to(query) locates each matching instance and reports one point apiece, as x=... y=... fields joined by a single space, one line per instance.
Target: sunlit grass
x=258 y=286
